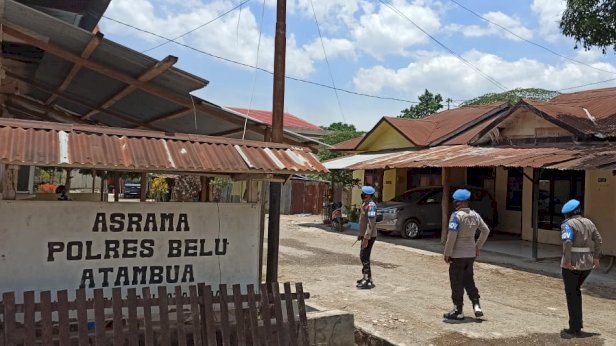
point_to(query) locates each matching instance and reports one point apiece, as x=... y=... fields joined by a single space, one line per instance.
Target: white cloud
x=513 y=24
x=447 y=75
x=227 y=37
x=549 y=13
x=334 y=47
x=384 y=32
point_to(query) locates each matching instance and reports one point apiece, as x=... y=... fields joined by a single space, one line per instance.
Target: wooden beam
x=77 y=101
x=226 y=133
x=95 y=41
x=172 y=115
x=183 y=100
x=147 y=76
x=24 y=102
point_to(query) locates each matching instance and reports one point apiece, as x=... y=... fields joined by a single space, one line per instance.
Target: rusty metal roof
x=348 y=145
x=25 y=142
x=574 y=157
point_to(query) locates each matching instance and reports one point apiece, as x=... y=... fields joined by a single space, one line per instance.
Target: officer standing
x=367 y=235
x=461 y=251
x=581 y=251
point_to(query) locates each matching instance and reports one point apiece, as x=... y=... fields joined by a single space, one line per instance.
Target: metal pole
x=273 y=230
x=535 y=217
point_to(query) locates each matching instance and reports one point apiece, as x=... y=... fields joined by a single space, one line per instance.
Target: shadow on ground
x=530 y=339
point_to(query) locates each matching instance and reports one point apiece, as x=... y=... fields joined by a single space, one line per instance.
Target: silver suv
x=418 y=211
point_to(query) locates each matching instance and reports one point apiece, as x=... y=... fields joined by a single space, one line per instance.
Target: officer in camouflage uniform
x=367 y=235
x=581 y=251
x=461 y=249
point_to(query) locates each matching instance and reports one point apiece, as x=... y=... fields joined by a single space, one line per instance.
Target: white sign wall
x=68 y=245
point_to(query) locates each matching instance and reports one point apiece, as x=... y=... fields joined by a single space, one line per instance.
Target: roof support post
x=535 y=215
x=144 y=187
x=9 y=182
x=445 y=203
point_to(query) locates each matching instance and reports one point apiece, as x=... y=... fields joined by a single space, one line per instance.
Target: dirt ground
x=412 y=293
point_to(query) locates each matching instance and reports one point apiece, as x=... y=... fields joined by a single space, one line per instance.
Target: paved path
x=406 y=307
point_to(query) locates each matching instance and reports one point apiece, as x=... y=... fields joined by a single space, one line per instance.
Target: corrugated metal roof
x=347 y=161
x=89 y=89
x=86 y=146
x=349 y=144
x=558 y=157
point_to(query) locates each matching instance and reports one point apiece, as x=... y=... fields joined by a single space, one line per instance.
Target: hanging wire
x=254 y=74
x=197 y=28
x=468 y=63
x=329 y=69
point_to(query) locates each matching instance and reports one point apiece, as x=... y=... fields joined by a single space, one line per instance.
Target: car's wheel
x=411 y=229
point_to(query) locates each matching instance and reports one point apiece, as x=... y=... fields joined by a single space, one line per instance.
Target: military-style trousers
x=573 y=280
x=461 y=277
x=364 y=257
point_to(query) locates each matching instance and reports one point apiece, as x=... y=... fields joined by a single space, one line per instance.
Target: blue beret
x=570 y=206
x=368 y=190
x=461 y=195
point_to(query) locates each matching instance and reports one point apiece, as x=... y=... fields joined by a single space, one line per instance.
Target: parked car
x=132 y=190
x=418 y=211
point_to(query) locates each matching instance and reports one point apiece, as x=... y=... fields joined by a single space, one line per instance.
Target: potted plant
x=354 y=217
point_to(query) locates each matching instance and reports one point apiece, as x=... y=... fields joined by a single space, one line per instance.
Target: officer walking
x=581 y=251
x=367 y=235
x=461 y=251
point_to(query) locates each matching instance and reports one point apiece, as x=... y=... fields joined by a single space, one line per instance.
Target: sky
x=355 y=61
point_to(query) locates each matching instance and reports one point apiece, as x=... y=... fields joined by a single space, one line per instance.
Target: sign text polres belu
x=113 y=248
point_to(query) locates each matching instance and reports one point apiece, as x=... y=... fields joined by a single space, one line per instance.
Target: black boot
x=454 y=314
x=365 y=284
x=477 y=308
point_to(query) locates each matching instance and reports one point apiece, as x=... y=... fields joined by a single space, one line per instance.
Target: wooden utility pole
x=273 y=229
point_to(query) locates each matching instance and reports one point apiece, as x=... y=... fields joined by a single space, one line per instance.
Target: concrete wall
x=65 y=245
x=510 y=221
x=600 y=206
x=331 y=327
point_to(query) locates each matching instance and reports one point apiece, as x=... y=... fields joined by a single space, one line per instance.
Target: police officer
x=461 y=251
x=367 y=235
x=581 y=250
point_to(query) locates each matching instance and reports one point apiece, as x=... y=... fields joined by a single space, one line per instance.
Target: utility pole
x=273 y=229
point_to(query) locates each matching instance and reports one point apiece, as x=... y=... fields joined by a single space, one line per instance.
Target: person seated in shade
x=61 y=192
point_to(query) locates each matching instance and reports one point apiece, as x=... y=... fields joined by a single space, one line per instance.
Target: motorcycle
x=337 y=220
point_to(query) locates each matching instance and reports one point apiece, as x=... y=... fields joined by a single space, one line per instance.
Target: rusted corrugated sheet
x=558 y=157
x=54 y=144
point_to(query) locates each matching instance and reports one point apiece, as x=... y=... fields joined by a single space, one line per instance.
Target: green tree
x=337 y=133
x=512 y=96
x=428 y=103
x=592 y=23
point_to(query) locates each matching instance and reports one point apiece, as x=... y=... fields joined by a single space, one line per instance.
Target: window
x=428 y=176
x=515 y=180
x=374 y=178
x=555 y=189
x=481 y=177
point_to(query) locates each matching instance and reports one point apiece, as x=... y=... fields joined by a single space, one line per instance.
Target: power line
x=329 y=69
x=588 y=84
x=197 y=28
x=468 y=63
x=258 y=68
x=529 y=41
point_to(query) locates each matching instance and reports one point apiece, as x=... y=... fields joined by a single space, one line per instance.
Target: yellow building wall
x=389 y=184
x=526 y=124
x=400 y=181
x=600 y=206
x=356 y=191
x=384 y=137
x=510 y=221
